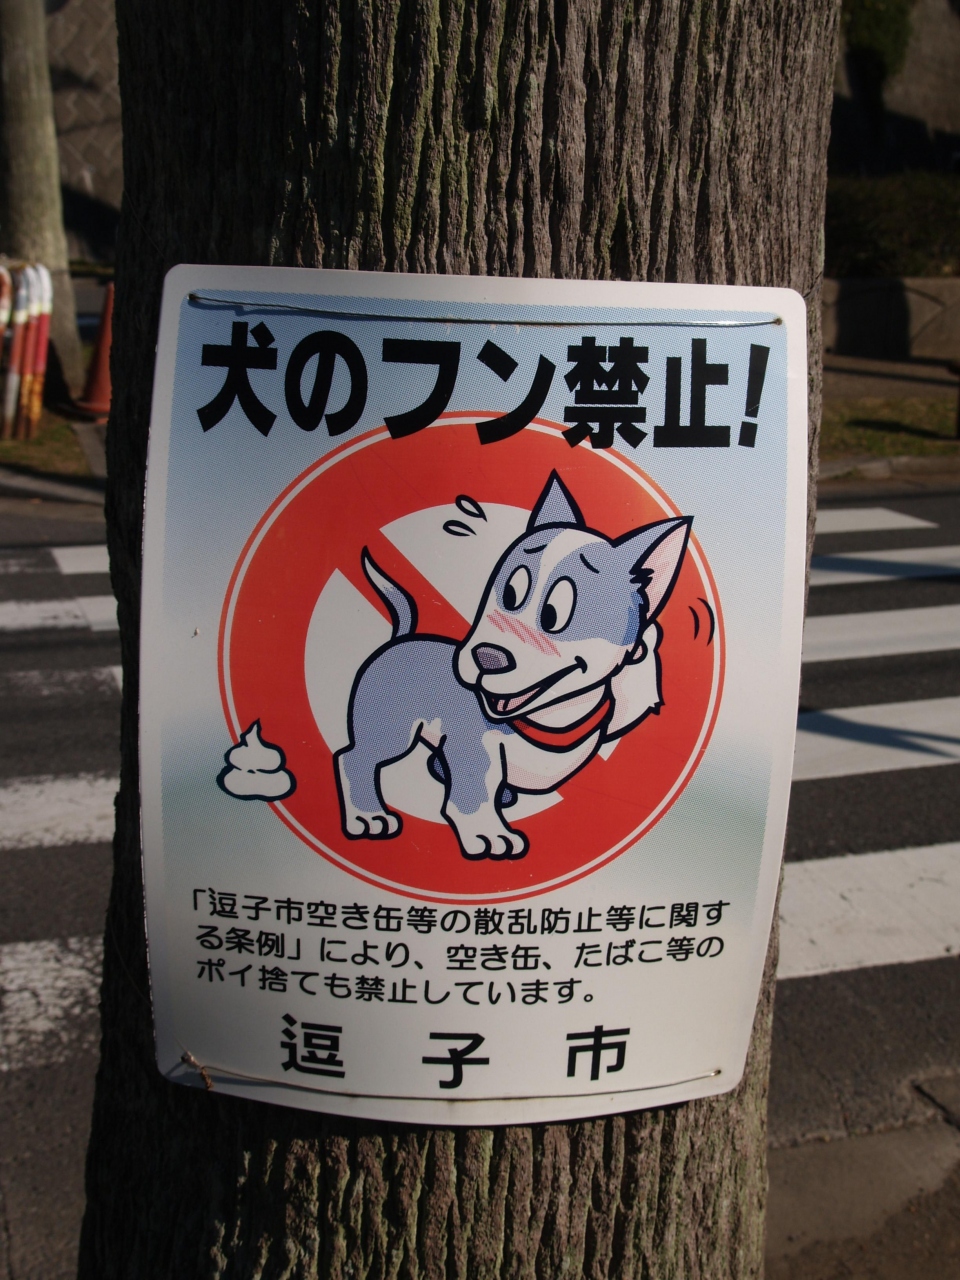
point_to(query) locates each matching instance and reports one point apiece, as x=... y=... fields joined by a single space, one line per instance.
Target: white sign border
x=181 y=280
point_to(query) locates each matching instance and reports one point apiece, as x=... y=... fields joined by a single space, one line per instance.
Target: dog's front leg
x=477 y=772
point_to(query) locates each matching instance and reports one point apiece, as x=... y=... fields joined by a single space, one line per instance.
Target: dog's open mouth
x=504 y=705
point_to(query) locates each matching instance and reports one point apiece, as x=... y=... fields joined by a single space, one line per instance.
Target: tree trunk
x=654 y=140
x=31 y=211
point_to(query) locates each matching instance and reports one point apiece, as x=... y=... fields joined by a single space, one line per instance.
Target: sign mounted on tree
x=471 y=634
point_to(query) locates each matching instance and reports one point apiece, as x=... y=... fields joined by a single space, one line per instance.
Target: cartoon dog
x=562 y=657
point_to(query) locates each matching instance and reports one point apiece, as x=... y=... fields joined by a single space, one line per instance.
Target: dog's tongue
x=506 y=705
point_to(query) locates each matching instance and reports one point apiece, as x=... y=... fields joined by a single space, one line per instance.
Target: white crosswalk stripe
x=866 y=520
x=88 y=559
x=48 y=1001
x=869 y=909
x=884 y=566
x=837 y=636
x=45 y=812
x=91 y=613
x=892 y=735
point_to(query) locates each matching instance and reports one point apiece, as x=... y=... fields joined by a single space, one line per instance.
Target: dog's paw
x=496 y=843
x=371 y=826
x=512 y=844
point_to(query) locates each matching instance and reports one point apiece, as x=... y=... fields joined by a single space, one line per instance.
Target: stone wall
x=892 y=319
x=82 y=45
x=916 y=125
x=928 y=87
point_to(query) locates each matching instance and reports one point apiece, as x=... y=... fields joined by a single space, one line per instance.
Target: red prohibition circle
x=319 y=526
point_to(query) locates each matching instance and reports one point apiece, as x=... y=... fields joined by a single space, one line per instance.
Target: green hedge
x=879 y=31
x=906 y=224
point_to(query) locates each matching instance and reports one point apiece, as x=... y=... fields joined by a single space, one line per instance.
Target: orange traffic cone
x=96 y=394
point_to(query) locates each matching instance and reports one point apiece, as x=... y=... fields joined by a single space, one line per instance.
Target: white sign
x=470 y=653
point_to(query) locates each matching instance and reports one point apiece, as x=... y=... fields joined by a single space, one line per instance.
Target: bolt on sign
x=470 y=652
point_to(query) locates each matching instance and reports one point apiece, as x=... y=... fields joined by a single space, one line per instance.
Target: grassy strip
x=54 y=451
x=889 y=428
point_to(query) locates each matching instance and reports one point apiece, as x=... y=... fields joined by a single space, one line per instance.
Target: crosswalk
x=60 y=684
x=867 y=520
x=88 y=559
x=881 y=632
x=45 y=813
x=884 y=599
x=884 y=566
x=34 y=611
x=890 y=735
x=86 y=613
x=839 y=913
x=866 y=909
x=49 y=992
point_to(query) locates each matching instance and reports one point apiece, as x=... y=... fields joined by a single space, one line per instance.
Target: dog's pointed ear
x=555 y=506
x=651 y=558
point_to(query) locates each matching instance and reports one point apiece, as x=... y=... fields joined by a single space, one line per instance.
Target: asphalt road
x=849 y=1045
x=866 y=1033
x=865 y=1081
x=48 y=894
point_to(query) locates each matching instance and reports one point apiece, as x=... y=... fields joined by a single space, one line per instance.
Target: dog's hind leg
x=381 y=734
x=362 y=811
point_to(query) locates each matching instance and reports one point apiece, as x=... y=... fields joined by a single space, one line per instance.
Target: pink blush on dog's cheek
x=527 y=634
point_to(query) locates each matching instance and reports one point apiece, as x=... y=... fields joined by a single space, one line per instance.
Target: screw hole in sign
x=489 y=670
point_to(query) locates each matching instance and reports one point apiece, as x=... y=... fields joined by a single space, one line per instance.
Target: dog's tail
x=403 y=611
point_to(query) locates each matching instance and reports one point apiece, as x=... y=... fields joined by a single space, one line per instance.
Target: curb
x=12 y=482
x=903 y=477
x=868 y=468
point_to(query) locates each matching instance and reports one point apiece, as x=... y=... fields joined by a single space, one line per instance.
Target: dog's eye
x=518 y=585
x=558 y=607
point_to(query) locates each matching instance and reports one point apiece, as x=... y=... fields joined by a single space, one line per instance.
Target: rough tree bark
x=31 y=211
x=638 y=139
